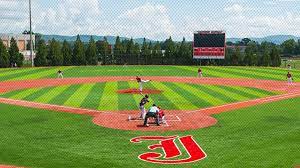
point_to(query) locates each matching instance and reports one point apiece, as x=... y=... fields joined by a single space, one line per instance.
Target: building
x=23 y=42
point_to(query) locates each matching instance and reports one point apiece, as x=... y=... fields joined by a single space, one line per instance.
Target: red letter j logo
x=171 y=150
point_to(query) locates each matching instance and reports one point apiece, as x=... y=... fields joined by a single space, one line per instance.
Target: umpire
x=153 y=112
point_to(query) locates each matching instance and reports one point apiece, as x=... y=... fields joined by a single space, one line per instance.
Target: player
x=161 y=116
x=140 y=82
x=289 y=78
x=60 y=74
x=143 y=102
x=200 y=75
x=153 y=112
x=289 y=67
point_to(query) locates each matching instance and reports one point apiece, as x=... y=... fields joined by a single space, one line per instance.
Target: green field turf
x=251 y=137
x=90 y=71
x=104 y=96
x=260 y=136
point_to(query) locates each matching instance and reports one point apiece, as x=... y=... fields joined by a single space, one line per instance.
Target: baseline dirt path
x=176 y=120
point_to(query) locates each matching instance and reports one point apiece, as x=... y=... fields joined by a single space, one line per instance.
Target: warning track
x=184 y=120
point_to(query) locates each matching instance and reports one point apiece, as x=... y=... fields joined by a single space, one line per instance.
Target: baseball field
x=238 y=116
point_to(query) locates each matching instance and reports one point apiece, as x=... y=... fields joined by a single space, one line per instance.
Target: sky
x=153 y=19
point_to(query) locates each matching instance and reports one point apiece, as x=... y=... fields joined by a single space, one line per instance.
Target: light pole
x=30 y=31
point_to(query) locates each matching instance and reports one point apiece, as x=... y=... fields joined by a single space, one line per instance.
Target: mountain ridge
x=277 y=39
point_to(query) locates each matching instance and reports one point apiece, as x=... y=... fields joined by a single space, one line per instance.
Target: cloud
x=236 y=8
x=245 y=26
x=148 y=20
x=69 y=17
x=13 y=15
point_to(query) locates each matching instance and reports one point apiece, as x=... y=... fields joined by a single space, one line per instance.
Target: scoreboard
x=209 y=45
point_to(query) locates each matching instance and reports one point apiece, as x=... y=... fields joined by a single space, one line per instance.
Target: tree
x=170 y=50
x=4 y=56
x=78 y=57
x=289 y=47
x=104 y=51
x=275 y=57
x=118 y=51
x=137 y=52
x=236 y=56
x=251 y=54
x=228 y=56
x=245 y=41
x=41 y=54
x=91 y=53
x=55 y=56
x=184 y=55
x=129 y=52
x=265 y=49
x=157 y=54
x=67 y=53
x=14 y=55
x=297 y=49
x=145 y=52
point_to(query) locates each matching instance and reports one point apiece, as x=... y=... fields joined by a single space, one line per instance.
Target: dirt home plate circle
x=179 y=120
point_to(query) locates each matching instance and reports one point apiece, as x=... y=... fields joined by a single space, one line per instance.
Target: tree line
x=10 y=56
x=54 y=53
x=123 y=52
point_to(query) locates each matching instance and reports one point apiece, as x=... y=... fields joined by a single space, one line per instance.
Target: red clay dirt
x=5 y=166
x=137 y=91
x=176 y=120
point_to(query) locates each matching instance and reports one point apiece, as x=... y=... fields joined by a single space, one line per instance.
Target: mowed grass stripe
x=64 y=96
x=187 y=70
x=126 y=101
x=176 y=98
x=189 y=94
x=92 y=100
x=202 y=96
x=24 y=93
x=161 y=99
x=235 y=94
x=20 y=73
x=10 y=94
x=109 y=99
x=222 y=93
x=255 y=92
x=46 y=72
x=40 y=92
x=46 y=98
x=241 y=92
x=258 y=72
x=209 y=72
x=13 y=71
x=247 y=73
x=210 y=90
x=79 y=96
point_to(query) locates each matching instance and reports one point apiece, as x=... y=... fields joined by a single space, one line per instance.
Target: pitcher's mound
x=136 y=91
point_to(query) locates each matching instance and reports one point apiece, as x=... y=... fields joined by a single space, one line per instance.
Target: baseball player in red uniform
x=289 y=78
x=200 y=75
x=140 y=82
x=161 y=116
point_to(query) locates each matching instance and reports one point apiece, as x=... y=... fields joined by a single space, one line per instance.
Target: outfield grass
x=91 y=71
x=104 y=96
x=251 y=137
